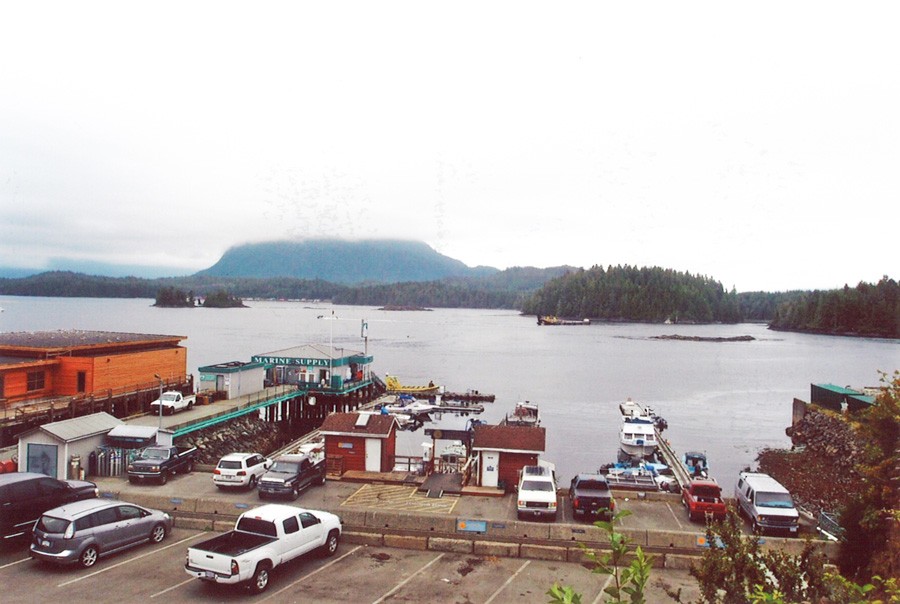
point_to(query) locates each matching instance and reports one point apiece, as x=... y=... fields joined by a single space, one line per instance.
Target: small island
x=402 y=307
x=173 y=297
x=704 y=339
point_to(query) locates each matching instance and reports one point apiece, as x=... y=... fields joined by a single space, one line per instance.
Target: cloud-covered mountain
x=340 y=261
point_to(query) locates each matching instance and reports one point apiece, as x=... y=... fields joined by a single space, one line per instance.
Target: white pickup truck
x=172 y=402
x=262 y=539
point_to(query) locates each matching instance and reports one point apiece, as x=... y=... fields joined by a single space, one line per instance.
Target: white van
x=536 y=495
x=766 y=503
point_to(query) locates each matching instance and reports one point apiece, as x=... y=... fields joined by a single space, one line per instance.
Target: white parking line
x=168 y=589
x=406 y=580
x=675 y=516
x=130 y=560
x=602 y=590
x=310 y=574
x=14 y=563
x=508 y=581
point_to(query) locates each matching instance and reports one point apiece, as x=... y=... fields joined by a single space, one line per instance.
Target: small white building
x=52 y=448
x=235 y=379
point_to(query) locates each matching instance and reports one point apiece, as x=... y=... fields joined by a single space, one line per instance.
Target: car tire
x=322 y=480
x=262 y=494
x=260 y=579
x=189 y=467
x=164 y=477
x=190 y=405
x=158 y=533
x=89 y=556
x=132 y=480
x=252 y=483
x=331 y=544
x=295 y=492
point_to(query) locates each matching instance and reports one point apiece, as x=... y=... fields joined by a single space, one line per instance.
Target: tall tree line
x=868 y=310
x=628 y=293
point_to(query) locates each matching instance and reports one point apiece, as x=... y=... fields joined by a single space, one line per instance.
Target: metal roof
x=71 y=338
x=77 y=428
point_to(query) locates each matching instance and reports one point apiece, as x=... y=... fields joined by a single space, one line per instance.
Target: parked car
x=83 y=531
x=590 y=494
x=766 y=503
x=158 y=463
x=24 y=496
x=703 y=499
x=240 y=470
x=262 y=539
x=291 y=474
x=537 y=493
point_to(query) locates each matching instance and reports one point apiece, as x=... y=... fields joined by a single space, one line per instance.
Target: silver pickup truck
x=262 y=539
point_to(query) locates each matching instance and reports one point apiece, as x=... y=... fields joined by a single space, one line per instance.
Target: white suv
x=537 y=493
x=240 y=470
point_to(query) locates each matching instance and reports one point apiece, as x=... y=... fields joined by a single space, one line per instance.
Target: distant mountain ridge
x=340 y=261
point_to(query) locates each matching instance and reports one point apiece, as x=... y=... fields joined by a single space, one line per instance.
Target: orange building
x=73 y=363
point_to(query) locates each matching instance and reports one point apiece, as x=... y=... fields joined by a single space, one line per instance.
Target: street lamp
x=156 y=375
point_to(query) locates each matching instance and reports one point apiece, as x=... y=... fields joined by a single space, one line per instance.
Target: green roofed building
x=838 y=398
x=317 y=368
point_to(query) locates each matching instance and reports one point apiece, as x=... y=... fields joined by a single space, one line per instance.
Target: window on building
x=1 y=386
x=35 y=380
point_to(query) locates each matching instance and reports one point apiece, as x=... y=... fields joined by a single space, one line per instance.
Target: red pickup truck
x=703 y=498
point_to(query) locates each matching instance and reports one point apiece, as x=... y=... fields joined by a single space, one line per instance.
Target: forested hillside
x=869 y=310
x=626 y=293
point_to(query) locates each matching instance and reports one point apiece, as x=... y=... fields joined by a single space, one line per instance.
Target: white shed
x=52 y=448
x=235 y=378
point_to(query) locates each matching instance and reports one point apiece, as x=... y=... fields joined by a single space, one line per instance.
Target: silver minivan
x=766 y=503
x=83 y=531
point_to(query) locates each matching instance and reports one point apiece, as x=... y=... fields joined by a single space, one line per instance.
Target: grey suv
x=85 y=530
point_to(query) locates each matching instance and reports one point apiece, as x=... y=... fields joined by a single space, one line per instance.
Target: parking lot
x=357 y=574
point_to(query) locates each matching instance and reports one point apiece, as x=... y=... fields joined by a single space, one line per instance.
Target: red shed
x=359 y=441
x=504 y=450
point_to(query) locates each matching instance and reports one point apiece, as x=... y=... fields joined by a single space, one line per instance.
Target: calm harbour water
x=730 y=399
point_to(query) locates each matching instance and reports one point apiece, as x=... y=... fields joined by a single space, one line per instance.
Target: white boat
x=525 y=413
x=637 y=437
x=633 y=411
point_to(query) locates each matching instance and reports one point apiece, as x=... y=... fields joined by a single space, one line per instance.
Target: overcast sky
x=755 y=143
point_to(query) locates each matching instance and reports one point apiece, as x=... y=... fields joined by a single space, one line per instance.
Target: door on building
x=490 y=469
x=82 y=381
x=373 y=455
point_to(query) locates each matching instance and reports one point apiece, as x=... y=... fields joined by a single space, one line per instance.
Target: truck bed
x=233 y=543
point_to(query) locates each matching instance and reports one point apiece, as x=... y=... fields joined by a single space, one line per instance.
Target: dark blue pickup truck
x=159 y=462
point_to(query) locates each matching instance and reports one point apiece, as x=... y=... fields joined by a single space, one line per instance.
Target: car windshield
x=704 y=491
x=285 y=467
x=537 y=485
x=774 y=500
x=155 y=454
x=49 y=524
x=227 y=464
x=169 y=397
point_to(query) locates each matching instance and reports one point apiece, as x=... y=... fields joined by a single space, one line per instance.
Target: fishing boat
x=395 y=387
x=552 y=320
x=696 y=464
x=525 y=413
x=637 y=437
x=631 y=410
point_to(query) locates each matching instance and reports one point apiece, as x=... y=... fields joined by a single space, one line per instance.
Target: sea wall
x=243 y=434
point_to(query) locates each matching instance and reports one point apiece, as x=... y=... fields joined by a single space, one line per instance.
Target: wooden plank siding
x=510 y=464
x=354 y=458
x=102 y=373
